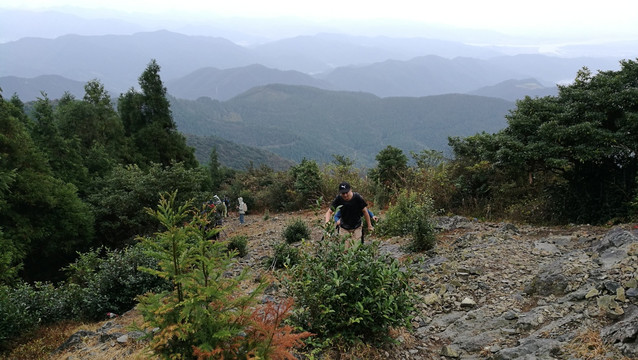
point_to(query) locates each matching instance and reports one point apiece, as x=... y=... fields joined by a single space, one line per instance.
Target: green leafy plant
x=110 y=280
x=284 y=256
x=295 y=231
x=410 y=215
x=238 y=243
x=206 y=314
x=99 y=281
x=350 y=294
x=307 y=182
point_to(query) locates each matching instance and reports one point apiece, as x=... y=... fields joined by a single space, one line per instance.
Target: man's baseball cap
x=344 y=187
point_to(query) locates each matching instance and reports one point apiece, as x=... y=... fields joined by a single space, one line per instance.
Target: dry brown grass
x=40 y=343
x=589 y=345
x=109 y=350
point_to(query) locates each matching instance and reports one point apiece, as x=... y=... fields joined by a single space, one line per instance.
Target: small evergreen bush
x=350 y=294
x=206 y=314
x=238 y=243
x=285 y=255
x=295 y=231
x=410 y=215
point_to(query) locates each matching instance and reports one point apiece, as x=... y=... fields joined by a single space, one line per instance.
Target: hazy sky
x=557 y=17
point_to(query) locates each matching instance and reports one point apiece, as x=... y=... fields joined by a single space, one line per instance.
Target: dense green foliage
x=238 y=244
x=99 y=281
x=350 y=294
x=111 y=279
x=410 y=215
x=148 y=120
x=295 y=231
x=307 y=182
x=284 y=255
x=42 y=218
x=205 y=314
x=77 y=174
x=120 y=198
x=390 y=174
x=566 y=158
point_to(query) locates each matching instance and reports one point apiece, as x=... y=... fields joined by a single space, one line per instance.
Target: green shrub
x=295 y=231
x=111 y=279
x=350 y=294
x=206 y=314
x=16 y=317
x=285 y=255
x=99 y=281
x=410 y=215
x=423 y=238
x=238 y=243
x=24 y=307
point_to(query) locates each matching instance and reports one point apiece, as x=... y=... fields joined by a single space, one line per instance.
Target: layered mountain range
x=301 y=97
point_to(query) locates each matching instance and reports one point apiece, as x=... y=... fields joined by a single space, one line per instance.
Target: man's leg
x=355 y=237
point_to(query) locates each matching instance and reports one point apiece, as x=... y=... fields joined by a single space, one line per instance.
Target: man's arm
x=372 y=215
x=367 y=216
x=328 y=215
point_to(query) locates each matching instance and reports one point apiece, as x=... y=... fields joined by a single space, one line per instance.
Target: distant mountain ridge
x=338 y=63
x=225 y=84
x=54 y=86
x=298 y=122
x=513 y=90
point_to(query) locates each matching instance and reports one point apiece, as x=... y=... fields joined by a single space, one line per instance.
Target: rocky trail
x=488 y=291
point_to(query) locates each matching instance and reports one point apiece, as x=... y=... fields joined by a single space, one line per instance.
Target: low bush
x=350 y=294
x=295 y=231
x=238 y=243
x=111 y=279
x=26 y=306
x=410 y=215
x=284 y=256
x=99 y=281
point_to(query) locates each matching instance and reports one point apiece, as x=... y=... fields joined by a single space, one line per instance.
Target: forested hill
x=233 y=155
x=299 y=122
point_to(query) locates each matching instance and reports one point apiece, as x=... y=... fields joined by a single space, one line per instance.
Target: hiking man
x=351 y=206
x=373 y=219
x=227 y=204
x=243 y=208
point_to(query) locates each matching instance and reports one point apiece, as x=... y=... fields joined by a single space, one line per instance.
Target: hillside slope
x=225 y=84
x=299 y=122
x=233 y=155
x=487 y=290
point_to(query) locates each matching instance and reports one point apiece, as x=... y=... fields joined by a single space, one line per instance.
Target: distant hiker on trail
x=227 y=204
x=351 y=206
x=220 y=209
x=213 y=208
x=242 y=207
x=223 y=209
